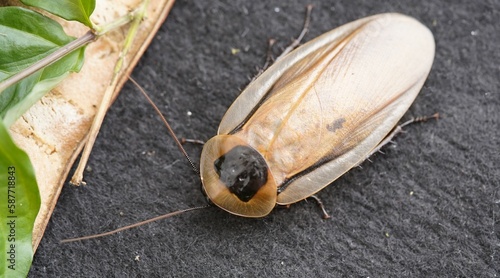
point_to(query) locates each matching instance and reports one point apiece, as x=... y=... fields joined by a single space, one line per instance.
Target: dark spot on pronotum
x=337 y=124
x=243 y=171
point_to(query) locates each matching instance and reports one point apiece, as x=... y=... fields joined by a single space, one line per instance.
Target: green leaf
x=19 y=207
x=26 y=37
x=79 y=10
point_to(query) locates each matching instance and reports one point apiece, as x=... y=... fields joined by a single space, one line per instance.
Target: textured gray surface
x=449 y=226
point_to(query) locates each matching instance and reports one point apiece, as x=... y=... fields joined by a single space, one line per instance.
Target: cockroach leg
x=399 y=129
x=320 y=205
x=420 y=119
x=305 y=29
x=283 y=206
x=269 y=58
x=295 y=42
x=192 y=141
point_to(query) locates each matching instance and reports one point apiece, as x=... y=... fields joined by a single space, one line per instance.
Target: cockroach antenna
x=170 y=130
x=165 y=216
x=168 y=215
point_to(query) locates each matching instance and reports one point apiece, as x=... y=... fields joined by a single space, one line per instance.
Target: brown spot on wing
x=335 y=125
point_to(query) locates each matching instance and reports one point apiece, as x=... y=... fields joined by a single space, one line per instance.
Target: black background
x=449 y=226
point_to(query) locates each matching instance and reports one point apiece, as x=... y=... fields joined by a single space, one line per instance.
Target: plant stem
x=137 y=17
x=48 y=60
x=88 y=37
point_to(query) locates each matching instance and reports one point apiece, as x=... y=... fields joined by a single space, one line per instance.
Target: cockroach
x=315 y=113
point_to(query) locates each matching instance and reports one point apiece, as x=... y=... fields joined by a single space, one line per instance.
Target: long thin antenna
x=170 y=130
x=168 y=215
